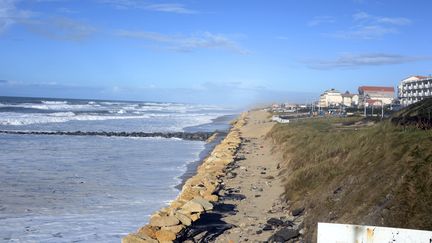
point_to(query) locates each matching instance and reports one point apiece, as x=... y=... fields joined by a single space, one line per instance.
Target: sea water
x=91 y=188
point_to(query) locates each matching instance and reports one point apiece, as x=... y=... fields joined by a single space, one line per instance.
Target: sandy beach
x=261 y=213
x=234 y=197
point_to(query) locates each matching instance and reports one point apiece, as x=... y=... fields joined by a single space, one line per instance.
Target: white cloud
x=180 y=43
x=318 y=20
x=170 y=7
x=363 y=16
x=159 y=7
x=367 y=26
x=10 y=14
x=366 y=32
x=60 y=28
x=349 y=61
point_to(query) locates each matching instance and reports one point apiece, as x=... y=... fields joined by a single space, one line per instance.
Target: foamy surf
x=92 y=188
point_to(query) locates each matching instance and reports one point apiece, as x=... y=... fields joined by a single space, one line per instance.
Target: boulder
x=175 y=229
x=193 y=207
x=176 y=205
x=275 y=222
x=211 y=198
x=195 y=216
x=183 y=219
x=135 y=238
x=297 y=211
x=147 y=230
x=165 y=235
x=284 y=235
x=164 y=221
x=204 y=203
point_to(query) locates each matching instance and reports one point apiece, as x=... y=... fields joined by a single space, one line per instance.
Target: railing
x=333 y=233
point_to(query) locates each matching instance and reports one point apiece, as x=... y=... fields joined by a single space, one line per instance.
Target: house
x=380 y=95
x=413 y=89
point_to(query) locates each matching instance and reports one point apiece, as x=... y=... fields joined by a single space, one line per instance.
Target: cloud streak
x=351 y=61
x=179 y=43
x=10 y=14
x=60 y=28
x=369 y=27
x=158 y=7
x=319 y=20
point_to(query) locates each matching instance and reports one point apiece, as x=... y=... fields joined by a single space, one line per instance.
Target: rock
x=258 y=232
x=147 y=230
x=211 y=198
x=297 y=211
x=193 y=207
x=165 y=235
x=231 y=175
x=195 y=217
x=275 y=222
x=135 y=238
x=164 y=221
x=176 y=204
x=183 y=219
x=235 y=197
x=284 y=235
x=267 y=227
x=204 y=203
x=175 y=229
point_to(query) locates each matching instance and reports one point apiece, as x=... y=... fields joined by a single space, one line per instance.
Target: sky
x=209 y=51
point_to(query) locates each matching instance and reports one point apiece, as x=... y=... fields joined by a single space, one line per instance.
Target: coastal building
x=376 y=95
x=350 y=100
x=414 y=89
x=330 y=98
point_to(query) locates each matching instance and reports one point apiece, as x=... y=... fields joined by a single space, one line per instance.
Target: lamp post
x=365 y=99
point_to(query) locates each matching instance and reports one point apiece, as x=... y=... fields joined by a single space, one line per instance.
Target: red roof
x=377 y=88
x=373 y=102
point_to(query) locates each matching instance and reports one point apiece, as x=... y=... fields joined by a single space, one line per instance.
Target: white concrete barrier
x=280 y=120
x=346 y=233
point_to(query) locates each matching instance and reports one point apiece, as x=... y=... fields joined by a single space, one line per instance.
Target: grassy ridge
x=377 y=174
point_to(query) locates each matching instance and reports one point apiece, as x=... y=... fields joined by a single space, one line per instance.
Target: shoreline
x=197 y=195
x=191 y=168
x=218 y=122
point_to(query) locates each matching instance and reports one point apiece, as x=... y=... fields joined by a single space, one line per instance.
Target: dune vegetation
x=350 y=170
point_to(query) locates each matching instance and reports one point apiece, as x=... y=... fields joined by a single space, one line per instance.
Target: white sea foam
x=17 y=119
x=53 y=102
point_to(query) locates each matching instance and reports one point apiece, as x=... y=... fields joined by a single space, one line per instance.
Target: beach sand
x=257 y=179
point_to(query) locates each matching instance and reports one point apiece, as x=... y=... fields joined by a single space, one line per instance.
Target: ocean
x=93 y=188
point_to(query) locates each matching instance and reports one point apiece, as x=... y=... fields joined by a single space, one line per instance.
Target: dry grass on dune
x=375 y=175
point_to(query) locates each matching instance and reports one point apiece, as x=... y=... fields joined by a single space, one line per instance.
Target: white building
x=350 y=100
x=330 y=98
x=376 y=95
x=414 y=88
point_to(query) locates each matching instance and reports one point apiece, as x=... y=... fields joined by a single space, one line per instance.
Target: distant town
x=376 y=101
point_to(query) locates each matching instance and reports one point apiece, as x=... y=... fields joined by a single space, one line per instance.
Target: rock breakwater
x=198 y=195
x=194 y=136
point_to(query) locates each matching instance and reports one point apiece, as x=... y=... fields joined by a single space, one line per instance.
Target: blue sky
x=223 y=52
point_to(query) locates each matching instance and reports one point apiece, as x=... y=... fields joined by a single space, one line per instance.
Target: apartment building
x=413 y=89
